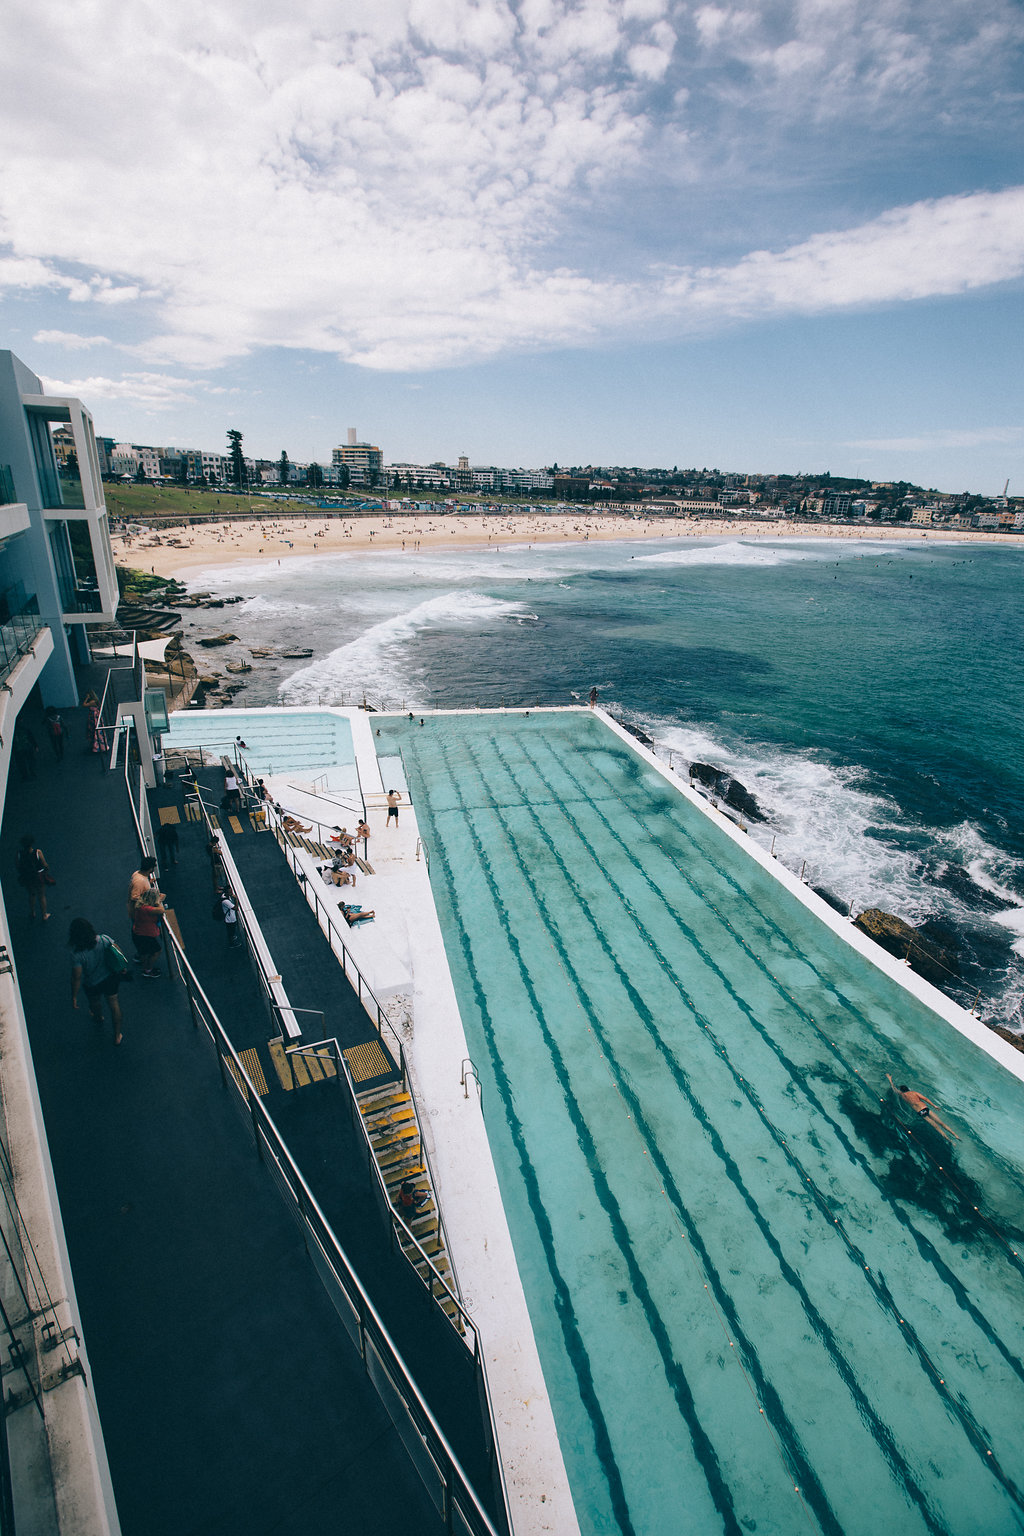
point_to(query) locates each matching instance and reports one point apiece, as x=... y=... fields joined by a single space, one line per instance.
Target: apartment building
x=55 y=556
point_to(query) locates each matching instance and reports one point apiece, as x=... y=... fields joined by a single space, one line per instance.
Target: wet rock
x=1017 y=1041
x=225 y=639
x=929 y=959
x=727 y=788
x=835 y=902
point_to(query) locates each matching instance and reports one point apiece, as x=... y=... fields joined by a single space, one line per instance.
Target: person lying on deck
x=353 y=915
x=342 y=836
x=292 y=824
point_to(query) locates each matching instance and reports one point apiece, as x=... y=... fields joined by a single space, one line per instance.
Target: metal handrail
x=331 y=933
x=311 y=1049
x=371 y=1327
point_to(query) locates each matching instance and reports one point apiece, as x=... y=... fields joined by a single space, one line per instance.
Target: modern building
x=55 y=556
x=363 y=461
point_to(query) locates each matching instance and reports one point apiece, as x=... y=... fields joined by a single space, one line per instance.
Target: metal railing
x=425 y=1441
x=428 y=1448
x=17 y=637
x=405 y=1239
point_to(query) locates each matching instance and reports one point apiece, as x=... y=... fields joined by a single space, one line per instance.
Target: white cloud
x=152 y=391
x=387 y=183
x=70 y=340
x=978 y=437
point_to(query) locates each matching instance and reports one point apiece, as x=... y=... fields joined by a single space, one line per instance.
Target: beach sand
x=269 y=539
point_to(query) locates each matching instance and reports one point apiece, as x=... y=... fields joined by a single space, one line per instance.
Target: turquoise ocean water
x=870 y=694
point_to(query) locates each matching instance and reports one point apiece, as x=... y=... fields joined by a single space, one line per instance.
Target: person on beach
x=394 y=798
x=149 y=914
x=924 y=1107
x=97 y=965
x=32 y=870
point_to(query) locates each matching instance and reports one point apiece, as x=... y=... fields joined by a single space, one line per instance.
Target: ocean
x=869 y=694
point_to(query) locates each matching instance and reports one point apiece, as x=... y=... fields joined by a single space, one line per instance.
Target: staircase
x=394 y=1137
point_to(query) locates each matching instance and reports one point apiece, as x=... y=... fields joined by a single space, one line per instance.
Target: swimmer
x=924 y=1107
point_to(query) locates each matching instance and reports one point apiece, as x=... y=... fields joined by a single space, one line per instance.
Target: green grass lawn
x=150 y=501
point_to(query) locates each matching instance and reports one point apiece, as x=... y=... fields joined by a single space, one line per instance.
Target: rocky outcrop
x=1017 y=1041
x=928 y=959
x=727 y=788
x=211 y=640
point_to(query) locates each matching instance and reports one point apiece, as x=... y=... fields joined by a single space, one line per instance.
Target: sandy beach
x=184 y=550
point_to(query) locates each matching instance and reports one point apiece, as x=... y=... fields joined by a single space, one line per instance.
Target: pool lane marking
x=703 y=1447
x=565 y=1312
x=972 y=1430
x=764 y=1395
x=825 y=985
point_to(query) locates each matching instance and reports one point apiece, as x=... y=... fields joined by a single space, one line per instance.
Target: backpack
x=217 y=911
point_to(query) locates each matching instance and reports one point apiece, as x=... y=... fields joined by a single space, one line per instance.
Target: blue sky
x=778 y=236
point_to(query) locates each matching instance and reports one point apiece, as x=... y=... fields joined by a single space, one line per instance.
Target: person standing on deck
x=55 y=731
x=394 y=796
x=96 y=967
x=33 y=869
x=593 y=697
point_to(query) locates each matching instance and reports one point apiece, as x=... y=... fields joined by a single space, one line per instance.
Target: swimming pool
x=761 y=1305
x=310 y=742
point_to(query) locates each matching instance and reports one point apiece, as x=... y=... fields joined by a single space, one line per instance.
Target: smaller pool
x=307 y=742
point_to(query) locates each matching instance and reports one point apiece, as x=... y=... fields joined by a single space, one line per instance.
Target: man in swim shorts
x=924 y=1107
x=394 y=796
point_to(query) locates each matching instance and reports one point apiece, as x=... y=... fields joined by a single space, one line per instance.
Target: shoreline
x=264 y=540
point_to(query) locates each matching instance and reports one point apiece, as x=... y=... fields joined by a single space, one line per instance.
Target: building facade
x=55 y=556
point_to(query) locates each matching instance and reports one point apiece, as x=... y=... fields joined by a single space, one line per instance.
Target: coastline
x=265 y=539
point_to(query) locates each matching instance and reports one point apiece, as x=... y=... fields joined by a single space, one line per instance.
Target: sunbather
x=353 y=915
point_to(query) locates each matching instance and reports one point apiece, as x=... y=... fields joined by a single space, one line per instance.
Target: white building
x=55 y=556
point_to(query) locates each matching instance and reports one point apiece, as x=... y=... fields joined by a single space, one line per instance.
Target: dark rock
x=1017 y=1041
x=739 y=797
x=209 y=640
x=834 y=901
x=727 y=788
x=928 y=959
x=705 y=774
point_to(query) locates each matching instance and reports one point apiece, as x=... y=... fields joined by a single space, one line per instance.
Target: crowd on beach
x=177 y=550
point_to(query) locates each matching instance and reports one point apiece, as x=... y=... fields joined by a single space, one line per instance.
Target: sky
x=780 y=236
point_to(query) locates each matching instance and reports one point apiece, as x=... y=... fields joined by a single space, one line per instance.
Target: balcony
x=18 y=630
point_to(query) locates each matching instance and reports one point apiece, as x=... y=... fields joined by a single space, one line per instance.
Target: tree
x=181 y=471
x=314 y=476
x=140 y=473
x=283 y=466
x=236 y=456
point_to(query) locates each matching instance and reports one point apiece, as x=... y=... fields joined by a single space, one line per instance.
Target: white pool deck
x=406 y=940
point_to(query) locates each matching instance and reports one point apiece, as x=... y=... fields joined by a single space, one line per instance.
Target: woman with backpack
x=33 y=875
x=97 y=965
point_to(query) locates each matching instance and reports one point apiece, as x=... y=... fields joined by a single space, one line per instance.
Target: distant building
x=364 y=461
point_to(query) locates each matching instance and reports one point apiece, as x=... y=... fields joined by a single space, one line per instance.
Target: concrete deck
x=230 y=1396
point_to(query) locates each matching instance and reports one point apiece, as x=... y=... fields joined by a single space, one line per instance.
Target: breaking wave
x=380 y=662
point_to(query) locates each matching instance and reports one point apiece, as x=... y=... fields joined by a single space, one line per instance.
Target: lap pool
x=761 y=1303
